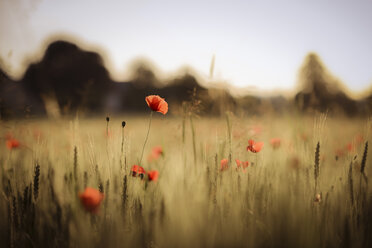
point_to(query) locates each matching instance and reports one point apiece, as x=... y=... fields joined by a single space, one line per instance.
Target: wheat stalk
x=36 y=181
x=350 y=181
x=364 y=161
x=316 y=166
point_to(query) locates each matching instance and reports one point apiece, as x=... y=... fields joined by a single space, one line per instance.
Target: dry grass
x=193 y=204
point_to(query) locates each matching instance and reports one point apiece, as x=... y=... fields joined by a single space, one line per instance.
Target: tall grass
x=191 y=205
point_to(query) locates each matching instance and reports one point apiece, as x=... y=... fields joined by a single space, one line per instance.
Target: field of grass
x=288 y=196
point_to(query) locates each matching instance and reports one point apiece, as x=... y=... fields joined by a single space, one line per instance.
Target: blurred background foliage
x=69 y=81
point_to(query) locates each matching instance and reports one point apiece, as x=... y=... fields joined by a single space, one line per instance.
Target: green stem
x=193 y=137
x=107 y=125
x=184 y=122
x=122 y=157
x=256 y=158
x=147 y=136
x=229 y=135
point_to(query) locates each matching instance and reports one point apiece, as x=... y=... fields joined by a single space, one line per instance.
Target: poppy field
x=186 y=181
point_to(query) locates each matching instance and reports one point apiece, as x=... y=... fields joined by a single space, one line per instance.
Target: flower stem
x=122 y=155
x=147 y=136
x=229 y=136
x=193 y=137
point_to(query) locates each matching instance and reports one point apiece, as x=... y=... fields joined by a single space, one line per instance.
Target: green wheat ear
x=316 y=166
x=364 y=159
x=125 y=192
x=75 y=164
x=36 y=182
x=350 y=181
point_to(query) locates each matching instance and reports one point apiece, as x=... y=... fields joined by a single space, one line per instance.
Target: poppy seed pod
x=123 y=124
x=107 y=119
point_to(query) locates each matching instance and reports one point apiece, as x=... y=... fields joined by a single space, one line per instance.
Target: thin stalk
x=107 y=148
x=350 y=181
x=107 y=126
x=364 y=161
x=147 y=136
x=256 y=158
x=362 y=168
x=193 y=138
x=122 y=146
x=184 y=106
x=184 y=123
x=316 y=166
x=122 y=140
x=229 y=135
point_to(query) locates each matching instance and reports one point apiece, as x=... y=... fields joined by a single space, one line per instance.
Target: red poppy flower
x=141 y=172
x=158 y=104
x=134 y=170
x=254 y=146
x=241 y=164
x=275 y=143
x=350 y=147
x=153 y=175
x=91 y=199
x=224 y=164
x=156 y=152
x=238 y=163
x=12 y=143
x=138 y=170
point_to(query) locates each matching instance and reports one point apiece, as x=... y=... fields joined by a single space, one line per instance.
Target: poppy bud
x=123 y=124
x=318 y=198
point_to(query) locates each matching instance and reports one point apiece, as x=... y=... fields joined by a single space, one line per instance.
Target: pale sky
x=256 y=43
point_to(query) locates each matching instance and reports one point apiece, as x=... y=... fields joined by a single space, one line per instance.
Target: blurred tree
x=144 y=77
x=321 y=91
x=313 y=74
x=76 y=79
